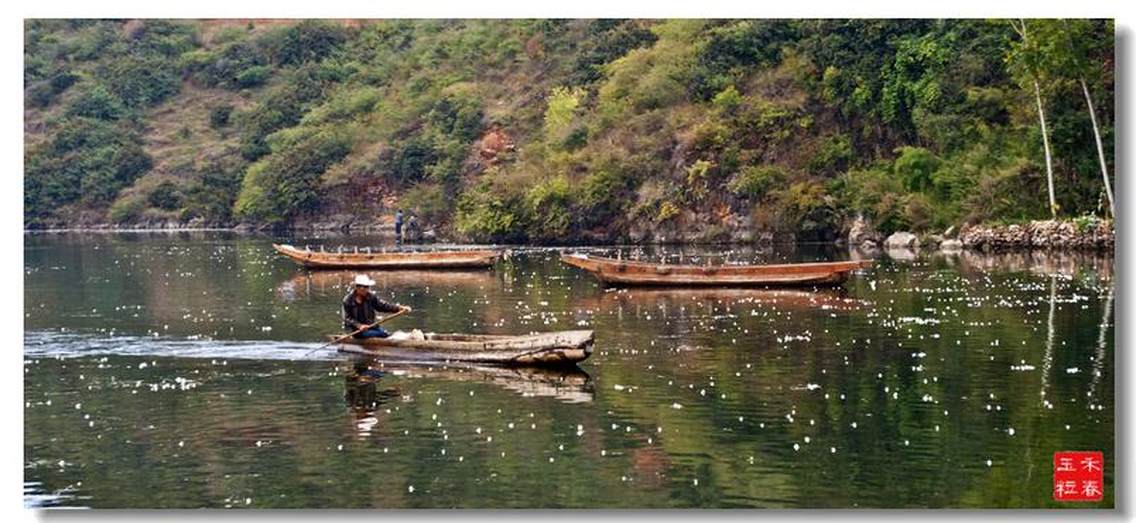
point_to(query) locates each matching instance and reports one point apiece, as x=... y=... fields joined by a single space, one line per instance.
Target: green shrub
x=457 y=115
x=486 y=214
x=253 y=76
x=607 y=40
x=878 y=195
x=166 y=196
x=562 y=105
x=141 y=82
x=213 y=196
x=429 y=201
x=754 y=181
x=727 y=100
x=915 y=166
x=281 y=107
x=833 y=155
x=39 y=94
x=96 y=102
x=549 y=209
x=408 y=162
x=286 y=183
x=126 y=208
x=307 y=41
x=219 y=116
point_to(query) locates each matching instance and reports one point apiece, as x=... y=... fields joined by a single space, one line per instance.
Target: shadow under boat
x=567 y=384
x=318 y=282
x=821 y=299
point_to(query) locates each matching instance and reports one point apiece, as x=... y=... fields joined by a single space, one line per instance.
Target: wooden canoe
x=549 y=348
x=623 y=272
x=456 y=259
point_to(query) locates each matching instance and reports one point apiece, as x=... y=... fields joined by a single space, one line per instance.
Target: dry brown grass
x=178 y=132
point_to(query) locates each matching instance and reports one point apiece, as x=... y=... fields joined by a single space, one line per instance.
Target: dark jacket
x=356 y=315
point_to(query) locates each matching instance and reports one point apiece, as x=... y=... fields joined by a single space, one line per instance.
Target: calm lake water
x=175 y=370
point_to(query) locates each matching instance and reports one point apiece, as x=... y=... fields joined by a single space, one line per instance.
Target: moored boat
x=548 y=348
x=624 y=272
x=455 y=259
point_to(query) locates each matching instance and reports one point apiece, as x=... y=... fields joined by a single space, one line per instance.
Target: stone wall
x=1044 y=234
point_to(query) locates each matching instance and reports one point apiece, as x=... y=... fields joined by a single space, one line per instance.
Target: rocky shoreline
x=1072 y=235
x=1076 y=234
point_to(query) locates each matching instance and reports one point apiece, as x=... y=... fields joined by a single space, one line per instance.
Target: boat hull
x=551 y=348
x=463 y=259
x=628 y=273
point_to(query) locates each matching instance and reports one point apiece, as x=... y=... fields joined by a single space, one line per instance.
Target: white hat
x=362 y=279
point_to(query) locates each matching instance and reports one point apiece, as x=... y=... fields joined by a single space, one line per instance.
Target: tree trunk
x=1040 y=116
x=1045 y=142
x=1100 y=149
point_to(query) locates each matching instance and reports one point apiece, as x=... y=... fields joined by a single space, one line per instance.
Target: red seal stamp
x=1078 y=476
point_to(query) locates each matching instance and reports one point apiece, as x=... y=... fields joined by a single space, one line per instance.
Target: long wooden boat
x=549 y=348
x=623 y=272
x=456 y=259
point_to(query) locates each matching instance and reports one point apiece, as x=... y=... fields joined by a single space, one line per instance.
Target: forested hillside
x=553 y=130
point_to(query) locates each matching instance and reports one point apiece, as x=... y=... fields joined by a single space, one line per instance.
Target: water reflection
x=317 y=283
x=364 y=397
x=567 y=384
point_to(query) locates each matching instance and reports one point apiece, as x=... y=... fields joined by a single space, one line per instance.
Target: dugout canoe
x=623 y=272
x=455 y=259
x=548 y=348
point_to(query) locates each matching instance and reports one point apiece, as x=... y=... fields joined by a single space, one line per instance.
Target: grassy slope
x=640 y=153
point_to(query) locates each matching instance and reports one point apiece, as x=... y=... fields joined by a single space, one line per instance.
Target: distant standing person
x=398 y=226
x=412 y=232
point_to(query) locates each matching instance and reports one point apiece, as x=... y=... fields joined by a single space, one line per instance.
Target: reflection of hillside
x=781 y=298
x=569 y=385
x=321 y=282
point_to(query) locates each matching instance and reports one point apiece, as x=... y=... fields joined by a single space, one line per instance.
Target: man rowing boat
x=360 y=307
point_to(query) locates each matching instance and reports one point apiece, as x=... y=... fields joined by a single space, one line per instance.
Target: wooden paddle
x=361 y=329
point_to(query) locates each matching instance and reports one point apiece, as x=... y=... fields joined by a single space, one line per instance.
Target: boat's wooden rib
x=624 y=272
x=456 y=259
x=549 y=348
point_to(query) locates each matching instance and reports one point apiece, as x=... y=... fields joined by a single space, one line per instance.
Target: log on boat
x=623 y=272
x=455 y=259
x=549 y=348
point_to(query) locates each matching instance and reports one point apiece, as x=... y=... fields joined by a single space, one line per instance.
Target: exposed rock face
x=493 y=144
x=902 y=239
x=862 y=233
x=1041 y=234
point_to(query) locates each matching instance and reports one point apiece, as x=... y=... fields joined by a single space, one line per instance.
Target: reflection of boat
x=568 y=383
x=623 y=272
x=334 y=280
x=389 y=260
x=549 y=348
x=786 y=298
